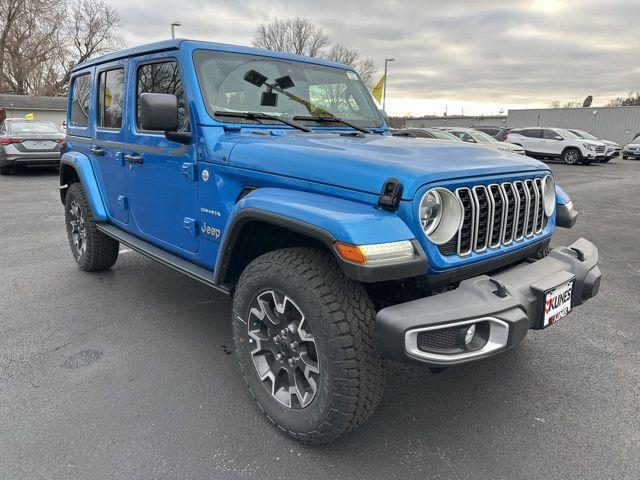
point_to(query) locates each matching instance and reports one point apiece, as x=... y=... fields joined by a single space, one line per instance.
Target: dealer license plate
x=557 y=303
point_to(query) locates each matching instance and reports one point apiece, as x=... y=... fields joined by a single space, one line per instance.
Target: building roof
x=32 y=102
x=176 y=44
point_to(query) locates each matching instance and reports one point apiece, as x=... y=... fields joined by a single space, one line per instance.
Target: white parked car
x=611 y=150
x=557 y=143
x=474 y=136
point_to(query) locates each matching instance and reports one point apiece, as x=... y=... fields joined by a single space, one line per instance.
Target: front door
x=107 y=149
x=161 y=180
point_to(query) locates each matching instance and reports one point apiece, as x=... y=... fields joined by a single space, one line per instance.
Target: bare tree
x=299 y=36
x=41 y=41
x=632 y=99
x=31 y=42
x=350 y=56
x=295 y=35
x=91 y=31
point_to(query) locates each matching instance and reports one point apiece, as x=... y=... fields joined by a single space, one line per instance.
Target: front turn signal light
x=375 y=253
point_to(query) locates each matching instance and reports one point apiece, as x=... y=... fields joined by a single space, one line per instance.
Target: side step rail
x=151 y=251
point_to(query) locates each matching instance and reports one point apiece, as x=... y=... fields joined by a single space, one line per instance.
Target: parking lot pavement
x=129 y=373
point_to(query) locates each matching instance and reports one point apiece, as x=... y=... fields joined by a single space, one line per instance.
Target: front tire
x=92 y=249
x=571 y=156
x=306 y=344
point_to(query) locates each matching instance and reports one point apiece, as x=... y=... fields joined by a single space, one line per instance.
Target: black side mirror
x=159 y=111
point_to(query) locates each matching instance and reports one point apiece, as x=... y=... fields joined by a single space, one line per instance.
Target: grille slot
x=497 y=214
x=441 y=340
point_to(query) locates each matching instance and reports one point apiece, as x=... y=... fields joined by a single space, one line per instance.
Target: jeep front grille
x=497 y=214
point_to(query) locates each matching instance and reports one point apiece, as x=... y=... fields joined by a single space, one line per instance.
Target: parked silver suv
x=611 y=150
x=29 y=142
x=556 y=143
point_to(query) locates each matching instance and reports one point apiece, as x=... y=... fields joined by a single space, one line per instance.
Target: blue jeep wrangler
x=273 y=178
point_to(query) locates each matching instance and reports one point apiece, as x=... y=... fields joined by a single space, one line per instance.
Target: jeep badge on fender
x=340 y=244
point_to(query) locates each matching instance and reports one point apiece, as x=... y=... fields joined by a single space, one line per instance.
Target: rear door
x=161 y=174
x=107 y=149
x=550 y=144
x=531 y=139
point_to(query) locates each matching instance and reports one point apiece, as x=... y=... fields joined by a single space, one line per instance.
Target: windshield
x=42 y=128
x=235 y=82
x=482 y=137
x=586 y=135
x=567 y=134
x=440 y=135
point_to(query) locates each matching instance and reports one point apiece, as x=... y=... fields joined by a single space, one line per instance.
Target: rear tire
x=571 y=156
x=329 y=380
x=92 y=249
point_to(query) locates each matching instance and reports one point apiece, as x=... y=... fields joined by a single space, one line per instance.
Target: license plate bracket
x=557 y=303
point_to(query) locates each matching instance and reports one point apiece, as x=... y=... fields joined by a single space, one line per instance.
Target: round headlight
x=440 y=215
x=549 y=192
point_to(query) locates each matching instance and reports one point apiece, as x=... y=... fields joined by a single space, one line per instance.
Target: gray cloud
x=493 y=52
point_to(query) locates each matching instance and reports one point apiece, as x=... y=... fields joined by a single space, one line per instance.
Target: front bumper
x=510 y=302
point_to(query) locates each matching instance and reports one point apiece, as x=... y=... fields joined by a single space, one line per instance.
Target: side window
x=80 y=94
x=532 y=132
x=110 y=98
x=549 y=134
x=160 y=77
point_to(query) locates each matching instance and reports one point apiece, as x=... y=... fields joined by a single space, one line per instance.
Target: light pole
x=384 y=91
x=173 y=26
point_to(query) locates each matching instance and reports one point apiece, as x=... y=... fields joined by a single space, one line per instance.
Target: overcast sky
x=480 y=55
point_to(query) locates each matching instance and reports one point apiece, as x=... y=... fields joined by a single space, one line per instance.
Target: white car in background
x=557 y=143
x=612 y=149
x=474 y=136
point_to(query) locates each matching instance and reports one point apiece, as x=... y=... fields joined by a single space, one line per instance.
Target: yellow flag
x=377 y=90
x=29 y=116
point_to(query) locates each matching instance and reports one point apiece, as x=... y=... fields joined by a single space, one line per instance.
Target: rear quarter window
x=80 y=95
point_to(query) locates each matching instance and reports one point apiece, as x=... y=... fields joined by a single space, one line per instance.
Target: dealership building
x=620 y=124
x=42 y=108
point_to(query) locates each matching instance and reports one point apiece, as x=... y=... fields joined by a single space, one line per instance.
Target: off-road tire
x=569 y=156
x=5 y=170
x=342 y=319
x=101 y=251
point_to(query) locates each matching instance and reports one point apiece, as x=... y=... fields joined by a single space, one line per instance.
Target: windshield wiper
x=262 y=116
x=330 y=119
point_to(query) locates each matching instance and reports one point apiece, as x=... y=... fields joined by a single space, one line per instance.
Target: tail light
x=60 y=140
x=8 y=140
x=504 y=137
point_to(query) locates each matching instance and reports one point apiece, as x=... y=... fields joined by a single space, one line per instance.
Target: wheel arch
x=270 y=218
x=76 y=167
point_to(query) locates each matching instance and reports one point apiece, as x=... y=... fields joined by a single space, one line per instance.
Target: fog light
x=473 y=336
x=469 y=334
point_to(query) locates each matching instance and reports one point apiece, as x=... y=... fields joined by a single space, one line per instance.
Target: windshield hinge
x=390 y=195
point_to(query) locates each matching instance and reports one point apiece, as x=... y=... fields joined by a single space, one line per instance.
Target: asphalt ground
x=129 y=374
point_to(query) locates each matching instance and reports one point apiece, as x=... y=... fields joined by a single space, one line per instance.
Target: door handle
x=96 y=150
x=133 y=158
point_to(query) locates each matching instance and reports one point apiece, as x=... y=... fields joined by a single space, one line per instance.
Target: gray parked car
x=632 y=150
x=29 y=142
x=433 y=133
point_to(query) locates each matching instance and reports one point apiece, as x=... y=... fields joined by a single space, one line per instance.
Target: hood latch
x=390 y=195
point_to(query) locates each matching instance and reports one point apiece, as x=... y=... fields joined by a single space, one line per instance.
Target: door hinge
x=123 y=202
x=189 y=170
x=190 y=225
